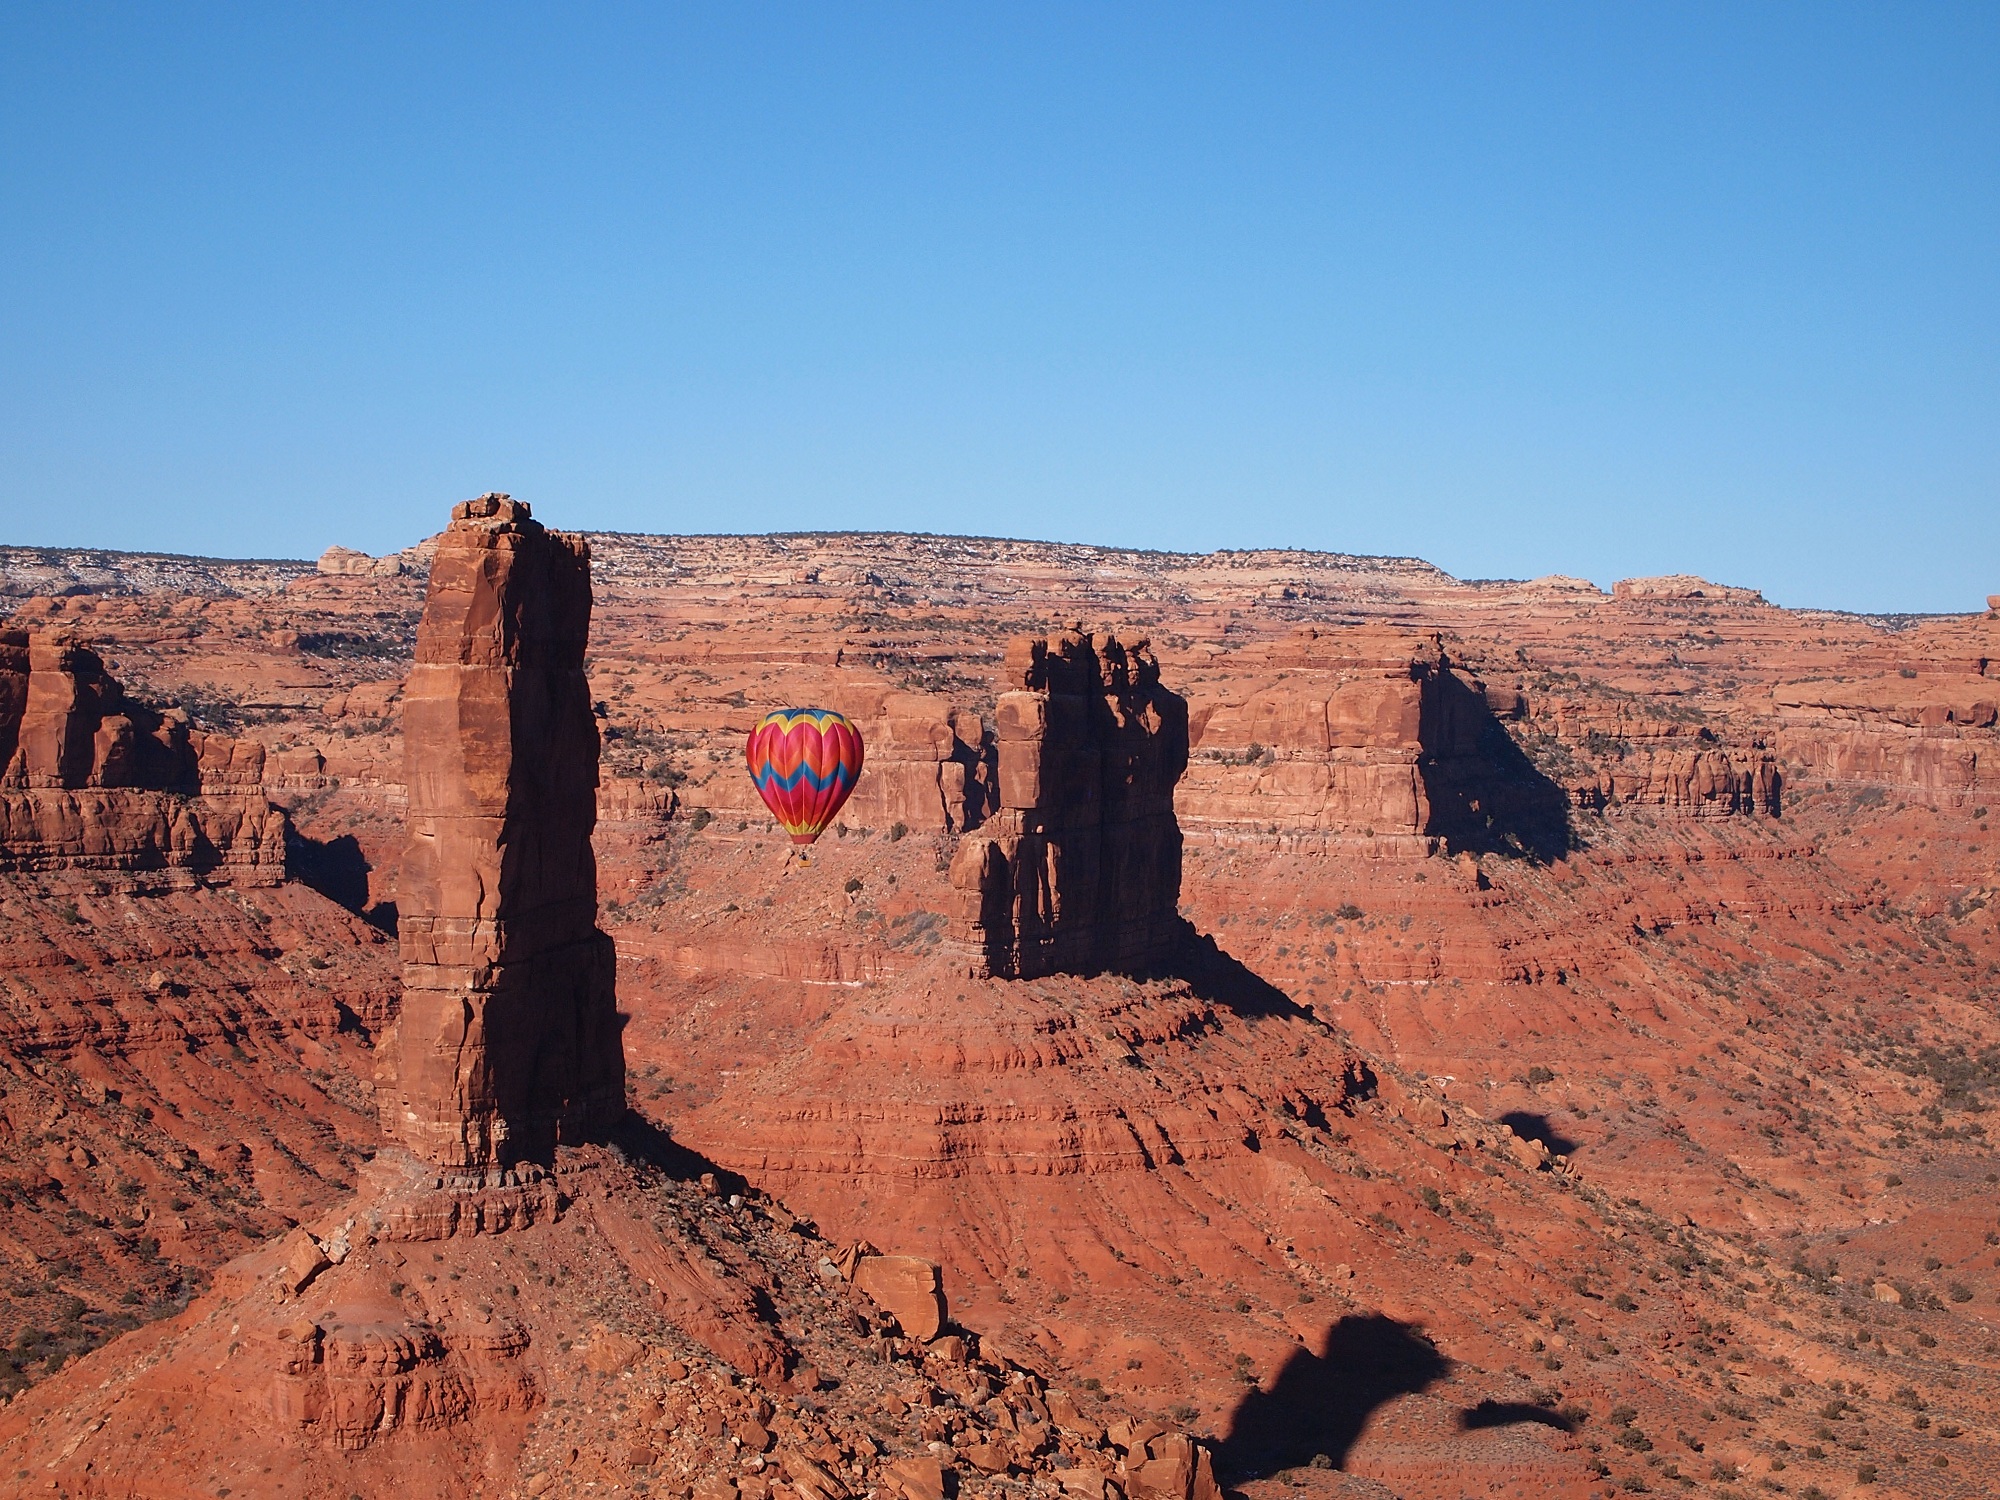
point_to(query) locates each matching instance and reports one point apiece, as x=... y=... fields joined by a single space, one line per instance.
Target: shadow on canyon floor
x=1512 y=1414
x=1320 y=1402
x=1222 y=979
x=339 y=871
x=1533 y=1127
x=643 y=1140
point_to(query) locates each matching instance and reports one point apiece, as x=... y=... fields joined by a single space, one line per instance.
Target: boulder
x=908 y=1289
x=304 y=1260
x=994 y=1456
x=1531 y=1154
x=1162 y=1470
x=919 y=1478
x=610 y=1352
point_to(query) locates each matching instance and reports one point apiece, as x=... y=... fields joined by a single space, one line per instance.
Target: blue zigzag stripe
x=819 y=783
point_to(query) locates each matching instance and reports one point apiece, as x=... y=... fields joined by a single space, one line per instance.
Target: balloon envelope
x=804 y=761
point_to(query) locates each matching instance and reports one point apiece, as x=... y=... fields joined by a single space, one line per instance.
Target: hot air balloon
x=805 y=761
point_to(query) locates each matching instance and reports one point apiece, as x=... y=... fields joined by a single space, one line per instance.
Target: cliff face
x=508 y=1041
x=1379 y=737
x=90 y=779
x=929 y=761
x=1331 y=740
x=1079 y=869
x=1371 y=736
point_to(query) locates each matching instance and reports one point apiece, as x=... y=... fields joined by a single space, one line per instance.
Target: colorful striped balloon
x=805 y=761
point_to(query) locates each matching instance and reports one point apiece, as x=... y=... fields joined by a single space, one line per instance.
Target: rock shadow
x=339 y=870
x=1486 y=796
x=1320 y=1402
x=1533 y=1127
x=1512 y=1414
x=642 y=1140
x=1220 y=978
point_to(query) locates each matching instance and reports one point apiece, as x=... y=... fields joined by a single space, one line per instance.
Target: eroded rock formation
x=1330 y=740
x=1371 y=736
x=1379 y=737
x=930 y=761
x=90 y=779
x=508 y=1041
x=1079 y=869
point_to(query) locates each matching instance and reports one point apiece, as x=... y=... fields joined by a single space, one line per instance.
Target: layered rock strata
x=508 y=1042
x=1378 y=736
x=90 y=779
x=930 y=762
x=1079 y=868
x=1331 y=740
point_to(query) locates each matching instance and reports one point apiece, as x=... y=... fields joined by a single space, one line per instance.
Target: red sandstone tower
x=1080 y=870
x=508 y=1042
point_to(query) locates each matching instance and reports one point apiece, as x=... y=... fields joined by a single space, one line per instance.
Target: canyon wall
x=90 y=779
x=509 y=1037
x=929 y=762
x=1370 y=735
x=1328 y=737
x=1079 y=868
x=1928 y=732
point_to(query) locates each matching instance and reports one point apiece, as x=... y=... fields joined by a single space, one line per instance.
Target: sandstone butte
x=1328 y=1027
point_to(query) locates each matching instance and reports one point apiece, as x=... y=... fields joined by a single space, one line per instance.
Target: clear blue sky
x=1597 y=289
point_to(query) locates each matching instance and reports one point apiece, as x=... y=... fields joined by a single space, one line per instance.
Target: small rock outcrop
x=345 y=562
x=1683 y=588
x=1079 y=869
x=508 y=1042
x=90 y=779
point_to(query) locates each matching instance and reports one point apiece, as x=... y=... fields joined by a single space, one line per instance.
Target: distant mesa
x=345 y=562
x=1683 y=586
x=1562 y=584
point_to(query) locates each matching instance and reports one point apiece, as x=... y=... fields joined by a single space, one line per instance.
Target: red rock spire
x=508 y=1041
x=1080 y=870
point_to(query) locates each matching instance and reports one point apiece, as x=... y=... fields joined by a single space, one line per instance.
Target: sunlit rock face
x=508 y=1042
